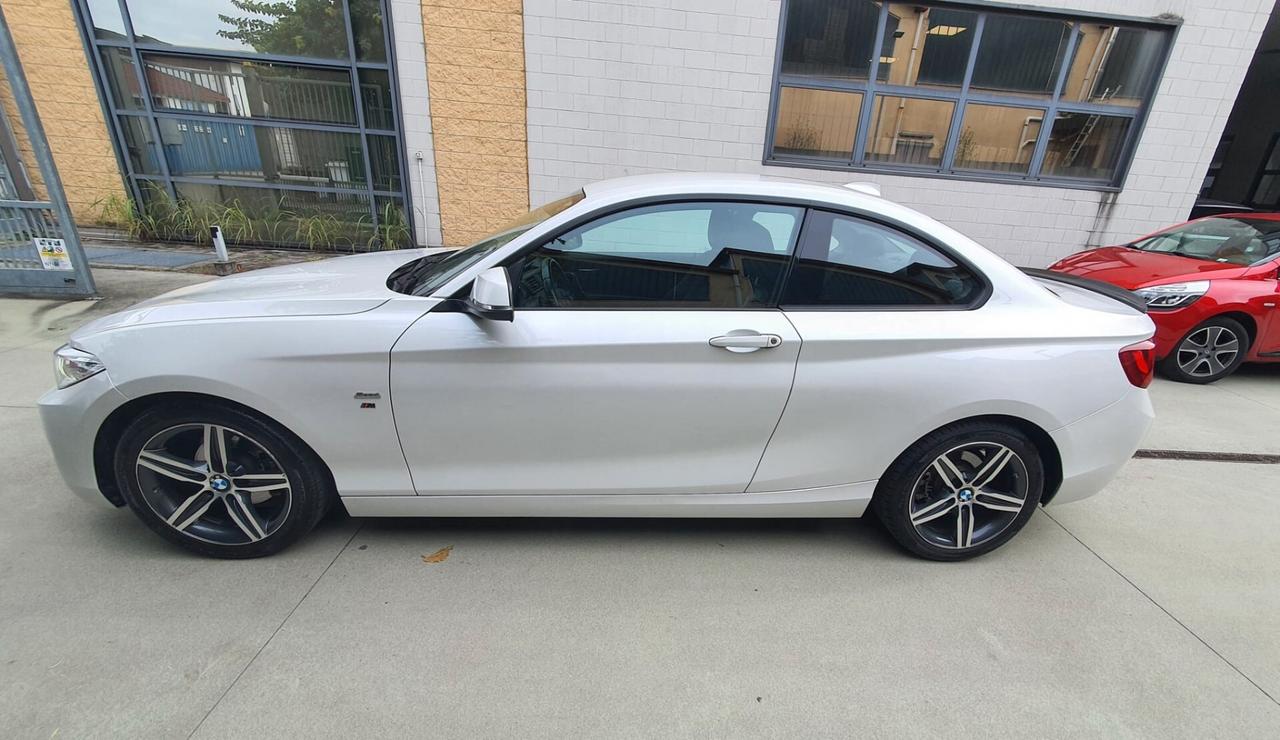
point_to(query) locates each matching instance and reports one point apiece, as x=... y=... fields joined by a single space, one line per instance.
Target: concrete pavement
x=1150 y=610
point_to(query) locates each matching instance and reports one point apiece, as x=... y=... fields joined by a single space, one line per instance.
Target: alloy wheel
x=1208 y=351
x=968 y=495
x=214 y=484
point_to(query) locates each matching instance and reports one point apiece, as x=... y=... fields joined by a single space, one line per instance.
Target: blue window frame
x=961 y=90
x=286 y=108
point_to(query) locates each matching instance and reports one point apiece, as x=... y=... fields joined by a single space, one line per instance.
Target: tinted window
x=696 y=255
x=850 y=262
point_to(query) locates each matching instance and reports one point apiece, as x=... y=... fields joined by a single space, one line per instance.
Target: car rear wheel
x=220 y=481
x=962 y=491
x=1210 y=352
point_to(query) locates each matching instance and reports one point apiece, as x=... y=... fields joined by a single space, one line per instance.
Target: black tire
x=308 y=489
x=1174 y=368
x=912 y=484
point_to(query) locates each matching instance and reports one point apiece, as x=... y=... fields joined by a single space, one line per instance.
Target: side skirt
x=849 y=500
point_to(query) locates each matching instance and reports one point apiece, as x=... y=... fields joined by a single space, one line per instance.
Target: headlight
x=71 y=365
x=1176 y=295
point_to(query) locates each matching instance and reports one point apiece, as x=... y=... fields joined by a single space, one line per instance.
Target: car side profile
x=1211 y=287
x=653 y=346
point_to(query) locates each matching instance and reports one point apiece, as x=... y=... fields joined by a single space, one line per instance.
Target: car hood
x=1134 y=268
x=342 y=285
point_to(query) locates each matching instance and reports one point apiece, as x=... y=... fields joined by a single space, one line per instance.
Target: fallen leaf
x=439 y=556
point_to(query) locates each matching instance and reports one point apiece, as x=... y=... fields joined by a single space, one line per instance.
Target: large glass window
x=287 y=104
x=297 y=28
x=816 y=123
x=676 y=255
x=250 y=89
x=962 y=92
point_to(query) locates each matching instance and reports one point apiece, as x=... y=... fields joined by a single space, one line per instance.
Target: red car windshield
x=1238 y=239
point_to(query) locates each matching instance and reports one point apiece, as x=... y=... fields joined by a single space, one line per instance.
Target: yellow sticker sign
x=53 y=254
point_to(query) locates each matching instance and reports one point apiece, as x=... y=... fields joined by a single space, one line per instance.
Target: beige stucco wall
x=55 y=66
x=475 y=70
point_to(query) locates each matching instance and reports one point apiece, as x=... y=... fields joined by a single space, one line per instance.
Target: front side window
x=962 y=92
x=846 y=261
x=1239 y=240
x=430 y=273
x=673 y=255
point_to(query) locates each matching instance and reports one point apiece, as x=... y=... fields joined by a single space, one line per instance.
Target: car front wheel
x=1210 y=352
x=220 y=481
x=962 y=491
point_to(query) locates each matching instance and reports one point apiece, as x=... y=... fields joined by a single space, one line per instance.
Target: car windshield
x=1238 y=240
x=427 y=275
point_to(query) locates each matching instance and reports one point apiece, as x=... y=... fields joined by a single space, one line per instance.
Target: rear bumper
x=1094 y=448
x=71 y=418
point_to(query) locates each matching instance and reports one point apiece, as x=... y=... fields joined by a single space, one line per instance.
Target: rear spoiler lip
x=1128 y=298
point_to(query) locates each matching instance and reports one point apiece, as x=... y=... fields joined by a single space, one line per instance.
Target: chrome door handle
x=746 y=342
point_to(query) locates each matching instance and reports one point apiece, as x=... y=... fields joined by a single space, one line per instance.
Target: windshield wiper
x=413 y=275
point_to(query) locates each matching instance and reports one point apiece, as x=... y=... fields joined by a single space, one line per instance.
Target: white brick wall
x=620 y=87
x=415 y=115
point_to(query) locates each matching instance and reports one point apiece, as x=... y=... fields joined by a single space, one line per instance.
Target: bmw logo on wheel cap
x=219 y=484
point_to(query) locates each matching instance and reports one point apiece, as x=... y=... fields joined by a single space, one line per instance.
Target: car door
x=1265 y=304
x=646 y=355
x=885 y=331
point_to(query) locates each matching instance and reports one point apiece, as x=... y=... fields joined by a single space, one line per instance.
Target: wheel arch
x=1244 y=319
x=109 y=433
x=1050 y=457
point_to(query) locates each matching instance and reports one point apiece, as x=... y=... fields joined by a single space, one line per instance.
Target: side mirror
x=491 y=296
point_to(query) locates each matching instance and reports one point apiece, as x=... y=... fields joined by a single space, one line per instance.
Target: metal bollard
x=223 y=265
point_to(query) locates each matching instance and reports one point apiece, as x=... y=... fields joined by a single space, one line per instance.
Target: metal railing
x=21 y=223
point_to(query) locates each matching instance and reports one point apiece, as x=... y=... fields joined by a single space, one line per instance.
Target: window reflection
x=139 y=145
x=366 y=29
x=929 y=47
x=249 y=89
x=997 y=138
x=908 y=130
x=122 y=79
x=384 y=160
x=1020 y=55
x=1085 y=145
x=107 y=22
x=1113 y=65
x=816 y=123
x=831 y=38
x=227 y=149
x=306 y=28
x=375 y=95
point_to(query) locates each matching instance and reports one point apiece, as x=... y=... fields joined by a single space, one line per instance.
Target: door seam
x=795 y=368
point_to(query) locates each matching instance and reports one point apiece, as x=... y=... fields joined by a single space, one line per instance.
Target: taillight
x=1139 y=363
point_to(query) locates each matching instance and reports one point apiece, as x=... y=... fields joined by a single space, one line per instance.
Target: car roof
x=727 y=183
x=768 y=187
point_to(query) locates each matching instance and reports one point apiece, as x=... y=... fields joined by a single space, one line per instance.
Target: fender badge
x=366 y=396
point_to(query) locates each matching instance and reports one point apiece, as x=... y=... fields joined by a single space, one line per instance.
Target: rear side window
x=673 y=255
x=846 y=261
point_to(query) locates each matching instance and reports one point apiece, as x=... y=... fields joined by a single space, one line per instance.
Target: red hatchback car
x=1210 y=286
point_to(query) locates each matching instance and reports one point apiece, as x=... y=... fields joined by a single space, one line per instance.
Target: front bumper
x=72 y=417
x=1094 y=448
